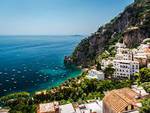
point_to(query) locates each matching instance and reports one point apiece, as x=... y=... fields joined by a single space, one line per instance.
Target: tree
x=98 y=66
x=109 y=71
x=143 y=75
x=146 y=86
x=145 y=106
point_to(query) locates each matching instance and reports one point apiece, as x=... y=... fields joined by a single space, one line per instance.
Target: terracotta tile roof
x=147 y=50
x=119 y=99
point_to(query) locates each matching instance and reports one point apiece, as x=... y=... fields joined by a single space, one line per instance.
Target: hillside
x=130 y=26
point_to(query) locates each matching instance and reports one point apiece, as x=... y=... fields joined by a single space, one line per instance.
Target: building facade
x=123 y=63
x=125 y=68
x=142 y=55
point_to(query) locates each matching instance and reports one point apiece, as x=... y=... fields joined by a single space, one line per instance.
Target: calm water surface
x=31 y=63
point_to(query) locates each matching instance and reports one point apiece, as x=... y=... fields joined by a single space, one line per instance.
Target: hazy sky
x=56 y=17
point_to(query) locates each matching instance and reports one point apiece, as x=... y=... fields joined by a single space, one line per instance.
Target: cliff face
x=133 y=24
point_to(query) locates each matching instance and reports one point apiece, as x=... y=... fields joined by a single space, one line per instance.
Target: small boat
x=7 y=80
x=13 y=69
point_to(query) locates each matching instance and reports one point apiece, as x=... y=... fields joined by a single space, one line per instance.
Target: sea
x=34 y=63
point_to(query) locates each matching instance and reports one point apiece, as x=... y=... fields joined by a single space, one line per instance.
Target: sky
x=57 y=17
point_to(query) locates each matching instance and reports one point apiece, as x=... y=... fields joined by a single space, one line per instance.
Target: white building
x=91 y=107
x=123 y=63
x=94 y=74
x=139 y=90
x=67 y=108
x=125 y=68
x=120 y=45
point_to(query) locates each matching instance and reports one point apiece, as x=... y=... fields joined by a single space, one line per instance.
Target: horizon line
x=44 y=35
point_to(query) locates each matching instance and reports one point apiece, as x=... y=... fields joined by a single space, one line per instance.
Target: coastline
x=32 y=72
x=59 y=83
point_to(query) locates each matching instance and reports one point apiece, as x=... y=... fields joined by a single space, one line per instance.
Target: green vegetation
x=80 y=88
x=117 y=37
x=77 y=89
x=98 y=67
x=109 y=71
x=143 y=75
x=103 y=55
x=146 y=41
x=146 y=86
x=145 y=106
x=19 y=102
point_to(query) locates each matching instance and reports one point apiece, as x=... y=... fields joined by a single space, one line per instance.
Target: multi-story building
x=124 y=54
x=123 y=63
x=125 y=68
x=142 y=55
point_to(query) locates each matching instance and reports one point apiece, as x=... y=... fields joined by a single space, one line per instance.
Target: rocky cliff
x=132 y=26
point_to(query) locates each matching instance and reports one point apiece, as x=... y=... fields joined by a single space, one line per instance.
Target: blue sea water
x=31 y=63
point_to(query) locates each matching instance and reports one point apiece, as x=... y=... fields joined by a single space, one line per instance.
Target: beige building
x=52 y=107
x=123 y=53
x=142 y=55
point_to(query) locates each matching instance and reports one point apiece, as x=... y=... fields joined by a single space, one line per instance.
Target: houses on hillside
x=128 y=61
x=125 y=100
x=89 y=107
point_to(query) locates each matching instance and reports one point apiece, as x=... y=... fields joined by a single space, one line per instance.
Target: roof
x=47 y=107
x=119 y=99
x=4 y=110
x=147 y=50
x=120 y=45
x=139 y=90
x=126 y=61
x=95 y=107
x=97 y=72
x=67 y=108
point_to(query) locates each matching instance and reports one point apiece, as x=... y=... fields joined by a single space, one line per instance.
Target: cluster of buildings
x=54 y=107
x=125 y=100
x=126 y=62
